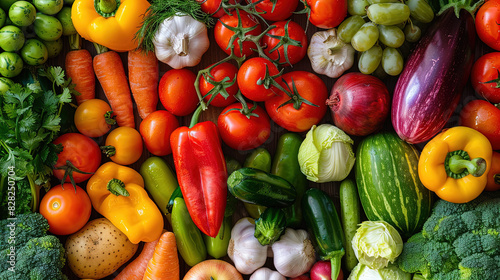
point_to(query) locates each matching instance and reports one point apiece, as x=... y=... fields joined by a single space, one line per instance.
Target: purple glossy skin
x=431 y=84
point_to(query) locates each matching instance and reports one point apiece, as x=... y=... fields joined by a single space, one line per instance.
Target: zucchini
x=260 y=159
x=350 y=215
x=259 y=187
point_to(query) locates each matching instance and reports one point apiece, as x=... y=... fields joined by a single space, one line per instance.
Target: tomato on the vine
x=156 y=129
x=66 y=208
x=94 y=118
x=487 y=23
x=79 y=158
x=326 y=13
x=275 y=10
x=256 y=79
x=223 y=34
x=177 y=91
x=286 y=43
x=123 y=145
x=224 y=79
x=214 y=7
x=303 y=105
x=244 y=130
x=484 y=117
x=485 y=76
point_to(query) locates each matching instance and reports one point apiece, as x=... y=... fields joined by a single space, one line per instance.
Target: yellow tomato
x=123 y=145
x=93 y=118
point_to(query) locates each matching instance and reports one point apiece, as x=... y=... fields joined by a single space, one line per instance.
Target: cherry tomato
x=485 y=76
x=298 y=116
x=66 y=208
x=156 y=129
x=123 y=145
x=493 y=183
x=80 y=153
x=213 y=7
x=275 y=10
x=93 y=118
x=327 y=13
x=223 y=35
x=487 y=23
x=295 y=39
x=177 y=91
x=241 y=132
x=483 y=117
x=220 y=72
x=252 y=79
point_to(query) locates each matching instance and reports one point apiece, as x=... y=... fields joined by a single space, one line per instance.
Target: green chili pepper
x=217 y=246
x=187 y=236
x=260 y=159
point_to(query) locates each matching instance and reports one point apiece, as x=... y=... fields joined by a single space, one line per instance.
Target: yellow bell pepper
x=117 y=192
x=111 y=23
x=455 y=163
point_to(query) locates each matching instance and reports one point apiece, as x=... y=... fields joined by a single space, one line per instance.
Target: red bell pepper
x=201 y=172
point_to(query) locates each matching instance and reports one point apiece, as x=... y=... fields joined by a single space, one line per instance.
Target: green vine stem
x=117 y=187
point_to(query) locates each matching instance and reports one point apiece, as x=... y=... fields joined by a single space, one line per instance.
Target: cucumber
x=350 y=217
x=260 y=159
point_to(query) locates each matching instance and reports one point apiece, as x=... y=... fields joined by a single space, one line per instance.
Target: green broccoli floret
x=26 y=227
x=458 y=241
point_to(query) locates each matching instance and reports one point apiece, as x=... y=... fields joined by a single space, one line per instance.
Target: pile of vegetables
x=377 y=177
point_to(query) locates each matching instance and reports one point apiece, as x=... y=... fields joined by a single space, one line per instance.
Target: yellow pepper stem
x=458 y=165
x=106 y=8
x=117 y=187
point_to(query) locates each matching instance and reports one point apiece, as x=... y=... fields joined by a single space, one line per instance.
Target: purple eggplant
x=434 y=77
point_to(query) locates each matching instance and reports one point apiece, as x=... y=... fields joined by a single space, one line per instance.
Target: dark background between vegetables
x=215 y=54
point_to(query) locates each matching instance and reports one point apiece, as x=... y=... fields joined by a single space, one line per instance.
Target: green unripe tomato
x=64 y=16
x=54 y=48
x=34 y=52
x=5 y=84
x=3 y=17
x=11 y=38
x=47 y=28
x=22 y=13
x=11 y=64
x=48 y=7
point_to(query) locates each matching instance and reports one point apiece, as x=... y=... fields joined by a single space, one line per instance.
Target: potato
x=98 y=249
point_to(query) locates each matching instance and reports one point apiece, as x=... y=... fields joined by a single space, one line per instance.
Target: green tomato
x=54 y=48
x=5 y=4
x=3 y=17
x=34 y=52
x=48 y=28
x=11 y=64
x=64 y=16
x=5 y=84
x=11 y=38
x=48 y=7
x=22 y=13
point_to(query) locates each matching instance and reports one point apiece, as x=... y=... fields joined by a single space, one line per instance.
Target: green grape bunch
x=382 y=30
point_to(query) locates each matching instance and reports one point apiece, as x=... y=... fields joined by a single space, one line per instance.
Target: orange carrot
x=143 y=76
x=109 y=70
x=79 y=68
x=165 y=263
x=136 y=269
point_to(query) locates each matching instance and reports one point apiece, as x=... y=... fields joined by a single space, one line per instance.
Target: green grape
x=349 y=27
x=392 y=61
x=366 y=37
x=382 y=1
x=406 y=49
x=388 y=13
x=391 y=35
x=370 y=60
x=380 y=72
x=401 y=25
x=412 y=33
x=420 y=10
x=357 y=7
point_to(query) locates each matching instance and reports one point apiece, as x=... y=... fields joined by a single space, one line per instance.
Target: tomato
x=275 y=10
x=80 y=153
x=483 y=117
x=220 y=72
x=156 y=129
x=298 y=115
x=93 y=118
x=177 y=91
x=123 y=145
x=252 y=79
x=327 y=13
x=493 y=183
x=66 y=208
x=223 y=34
x=487 y=23
x=241 y=132
x=485 y=76
x=213 y=7
x=294 y=38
